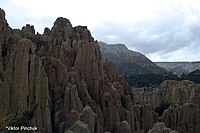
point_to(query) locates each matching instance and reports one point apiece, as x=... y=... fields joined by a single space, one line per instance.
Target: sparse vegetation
x=192 y=76
x=17 y=121
x=149 y=80
x=152 y=80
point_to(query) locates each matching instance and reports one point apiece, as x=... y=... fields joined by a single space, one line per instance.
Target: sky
x=163 y=30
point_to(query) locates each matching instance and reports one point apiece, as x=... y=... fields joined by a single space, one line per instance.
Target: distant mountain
x=129 y=62
x=192 y=76
x=179 y=68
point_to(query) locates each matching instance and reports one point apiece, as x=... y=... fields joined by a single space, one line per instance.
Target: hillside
x=179 y=68
x=129 y=62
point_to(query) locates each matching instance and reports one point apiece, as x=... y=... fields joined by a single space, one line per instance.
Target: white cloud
x=161 y=29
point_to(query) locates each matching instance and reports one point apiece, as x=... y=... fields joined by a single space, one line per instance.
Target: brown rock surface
x=124 y=127
x=171 y=91
x=79 y=127
x=145 y=116
x=184 y=98
x=184 y=119
x=72 y=117
x=89 y=117
x=160 y=128
x=24 y=83
x=61 y=73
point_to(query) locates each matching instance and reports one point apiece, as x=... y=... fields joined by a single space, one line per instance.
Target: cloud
x=160 y=29
x=172 y=34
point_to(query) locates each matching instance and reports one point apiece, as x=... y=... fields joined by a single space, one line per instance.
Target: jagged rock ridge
x=61 y=75
x=183 y=99
x=59 y=80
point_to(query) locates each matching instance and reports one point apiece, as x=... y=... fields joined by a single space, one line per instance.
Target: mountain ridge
x=128 y=61
x=179 y=68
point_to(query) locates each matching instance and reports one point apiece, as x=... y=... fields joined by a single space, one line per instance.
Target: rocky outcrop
x=183 y=96
x=146 y=116
x=60 y=76
x=24 y=83
x=184 y=119
x=124 y=127
x=79 y=127
x=160 y=128
x=172 y=92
